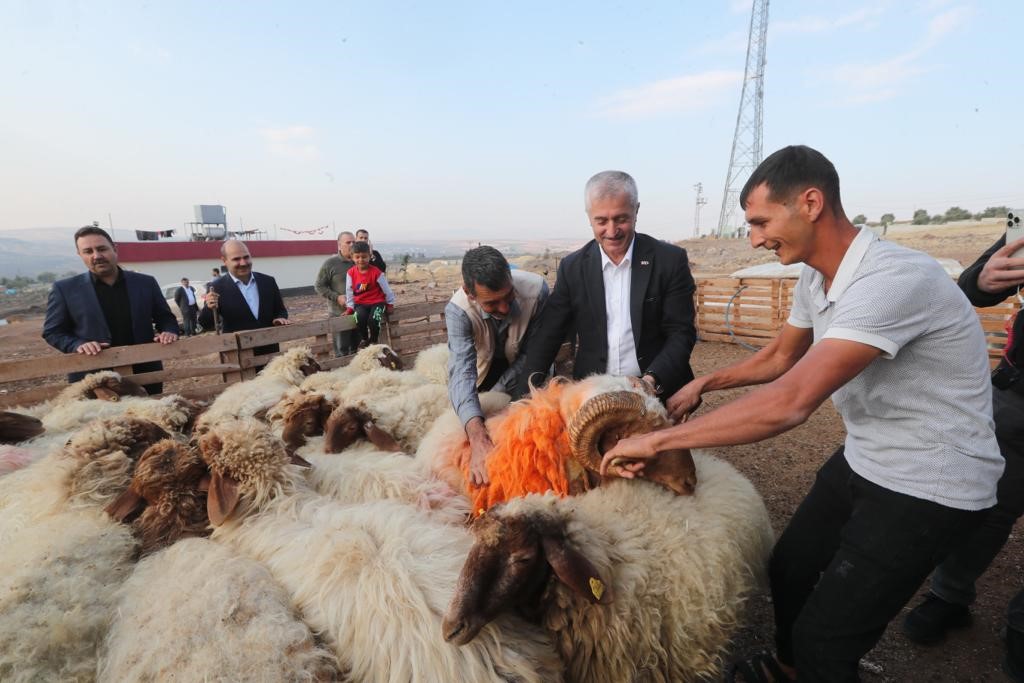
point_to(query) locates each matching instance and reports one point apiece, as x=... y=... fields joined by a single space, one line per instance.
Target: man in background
x=185 y=297
x=245 y=299
x=996 y=275
x=330 y=284
x=363 y=235
x=107 y=306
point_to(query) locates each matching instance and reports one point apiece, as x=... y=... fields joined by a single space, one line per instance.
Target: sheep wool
x=362 y=474
x=373 y=579
x=681 y=569
x=432 y=364
x=215 y=617
x=57 y=584
x=257 y=395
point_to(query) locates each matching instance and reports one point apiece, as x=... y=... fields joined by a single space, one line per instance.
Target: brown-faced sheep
x=631 y=581
x=371 y=578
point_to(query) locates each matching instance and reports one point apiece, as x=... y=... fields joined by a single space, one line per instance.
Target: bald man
x=246 y=300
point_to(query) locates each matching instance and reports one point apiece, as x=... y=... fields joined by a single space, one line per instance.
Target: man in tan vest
x=489 y=320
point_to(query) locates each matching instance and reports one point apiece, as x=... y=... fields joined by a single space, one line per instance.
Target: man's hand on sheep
x=166 y=338
x=684 y=401
x=480 y=446
x=92 y=348
x=628 y=457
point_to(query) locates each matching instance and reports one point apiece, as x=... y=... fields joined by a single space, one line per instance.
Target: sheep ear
x=379 y=438
x=204 y=483
x=576 y=571
x=125 y=504
x=222 y=498
x=106 y=394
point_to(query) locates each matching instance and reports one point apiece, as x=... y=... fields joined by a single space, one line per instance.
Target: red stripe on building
x=141 y=252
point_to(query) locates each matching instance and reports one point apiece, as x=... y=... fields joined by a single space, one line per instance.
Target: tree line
x=954 y=213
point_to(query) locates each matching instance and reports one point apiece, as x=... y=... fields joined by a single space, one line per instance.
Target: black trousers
x=851 y=557
x=367 y=321
x=954 y=579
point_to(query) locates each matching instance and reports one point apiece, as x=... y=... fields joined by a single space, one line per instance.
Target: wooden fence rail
x=199 y=367
x=748 y=310
x=753 y=310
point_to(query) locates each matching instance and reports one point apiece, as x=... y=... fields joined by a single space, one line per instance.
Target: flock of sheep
x=312 y=525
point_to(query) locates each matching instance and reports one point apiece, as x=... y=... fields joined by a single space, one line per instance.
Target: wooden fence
x=749 y=311
x=752 y=311
x=199 y=367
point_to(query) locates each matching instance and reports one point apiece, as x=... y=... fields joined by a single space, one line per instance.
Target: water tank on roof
x=214 y=214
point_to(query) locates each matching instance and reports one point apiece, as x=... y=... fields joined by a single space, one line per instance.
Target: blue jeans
x=954 y=579
x=851 y=557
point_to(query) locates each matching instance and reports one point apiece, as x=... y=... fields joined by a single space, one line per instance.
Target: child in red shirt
x=367 y=294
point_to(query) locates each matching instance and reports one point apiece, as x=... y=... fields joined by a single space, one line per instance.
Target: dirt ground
x=782 y=468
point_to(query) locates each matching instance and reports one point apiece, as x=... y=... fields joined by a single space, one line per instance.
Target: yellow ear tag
x=596 y=587
x=480 y=511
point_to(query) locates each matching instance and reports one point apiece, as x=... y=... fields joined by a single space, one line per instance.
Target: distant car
x=169 y=290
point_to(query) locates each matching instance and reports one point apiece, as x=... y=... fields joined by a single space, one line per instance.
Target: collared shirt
x=116 y=307
x=250 y=293
x=190 y=295
x=919 y=417
x=617 y=284
x=462 y=375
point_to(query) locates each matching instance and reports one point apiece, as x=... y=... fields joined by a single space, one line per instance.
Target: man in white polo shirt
x=888 y=335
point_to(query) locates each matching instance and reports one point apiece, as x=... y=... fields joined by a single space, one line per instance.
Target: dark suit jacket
x=181 y=298
x=661 y=313
x=74 y=316
x=234 y=312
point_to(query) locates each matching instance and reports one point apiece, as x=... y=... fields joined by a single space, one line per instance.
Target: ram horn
x=603 y=420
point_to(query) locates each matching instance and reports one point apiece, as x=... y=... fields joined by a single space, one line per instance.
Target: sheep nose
x=452 y=629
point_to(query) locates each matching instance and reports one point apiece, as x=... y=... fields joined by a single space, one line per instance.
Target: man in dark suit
x=363 y=235
x=107 y=306
x=185 y=297
x=627 y=296
x=246 y=300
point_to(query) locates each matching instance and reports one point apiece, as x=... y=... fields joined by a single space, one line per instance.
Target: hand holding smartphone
x=1015 y=230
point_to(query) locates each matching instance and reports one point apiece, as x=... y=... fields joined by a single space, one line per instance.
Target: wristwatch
x=656 y=388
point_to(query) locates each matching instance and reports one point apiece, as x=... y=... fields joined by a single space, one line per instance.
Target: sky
x=481 y=119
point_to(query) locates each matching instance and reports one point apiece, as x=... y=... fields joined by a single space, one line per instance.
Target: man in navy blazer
x=628 y=297
x=245 y=300
x=107 y=306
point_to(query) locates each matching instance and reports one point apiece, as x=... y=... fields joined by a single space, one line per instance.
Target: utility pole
x=701 y=201
x=746 y=141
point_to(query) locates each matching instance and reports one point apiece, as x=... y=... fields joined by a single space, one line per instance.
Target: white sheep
x=406 y=417
x=447 y=436
x=373 y=357
x=195 y=611
x=64 y=556
x=95 y=466
x=650 y=585
x=57 y=584
x=362 y=474
x=105 y=385
x=256 y=396
x=432 y=363
x=371 y=578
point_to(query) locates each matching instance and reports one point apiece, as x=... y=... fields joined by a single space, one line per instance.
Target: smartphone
x=1015 y=229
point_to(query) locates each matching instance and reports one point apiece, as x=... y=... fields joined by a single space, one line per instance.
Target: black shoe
x=928 y=622
x=1013 y=663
